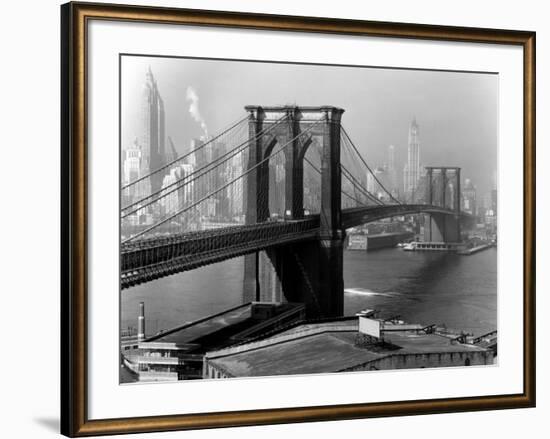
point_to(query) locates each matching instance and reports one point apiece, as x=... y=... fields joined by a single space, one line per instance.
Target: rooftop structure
x=342 y=345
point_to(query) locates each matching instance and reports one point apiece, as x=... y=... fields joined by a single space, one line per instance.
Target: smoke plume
x=193 y=98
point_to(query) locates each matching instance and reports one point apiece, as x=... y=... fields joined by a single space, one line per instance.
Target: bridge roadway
x=145 y=260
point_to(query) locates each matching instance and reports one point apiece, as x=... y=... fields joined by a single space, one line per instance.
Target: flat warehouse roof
x=320 y=353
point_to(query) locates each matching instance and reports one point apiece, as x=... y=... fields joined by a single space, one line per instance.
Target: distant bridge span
x=146 y=260
x=362 y=215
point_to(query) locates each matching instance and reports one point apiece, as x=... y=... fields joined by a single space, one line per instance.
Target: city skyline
x=192 y=109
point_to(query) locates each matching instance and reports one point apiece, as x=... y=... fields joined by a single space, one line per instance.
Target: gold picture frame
x=74 y=195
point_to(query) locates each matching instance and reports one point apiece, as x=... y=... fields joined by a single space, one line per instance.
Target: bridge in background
x=283 y=185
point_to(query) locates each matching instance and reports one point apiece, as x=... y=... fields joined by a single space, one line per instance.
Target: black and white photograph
x=275 y=219
x=290 y=219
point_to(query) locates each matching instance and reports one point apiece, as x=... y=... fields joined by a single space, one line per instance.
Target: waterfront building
x=411 y=172
x=349 y=344
x=375 y=241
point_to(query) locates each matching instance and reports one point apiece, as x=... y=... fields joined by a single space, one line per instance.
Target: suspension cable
x=367 y=166
x=185 y=180
x=165 y=220
x=342 y=190
x=182 y=157
x=359 y=186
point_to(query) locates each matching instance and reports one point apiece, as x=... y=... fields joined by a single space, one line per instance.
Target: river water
x=423 y=287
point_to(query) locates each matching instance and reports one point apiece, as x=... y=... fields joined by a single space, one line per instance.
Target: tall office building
x=131 y=162
x=201 y=152
x=411 y=172
x=175 y=198
x=153 y=136
x=218 y=179
x=235 y=191
x=277 y=174
x=171 y=155
x=469 y=201
x=131 y=171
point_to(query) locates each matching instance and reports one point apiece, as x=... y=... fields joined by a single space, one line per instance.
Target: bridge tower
x=309 y=271
x=443 y=190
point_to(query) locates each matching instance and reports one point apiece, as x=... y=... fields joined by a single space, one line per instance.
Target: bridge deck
x=148 y=259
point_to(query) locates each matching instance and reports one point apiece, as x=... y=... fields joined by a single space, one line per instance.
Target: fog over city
x=456 y=111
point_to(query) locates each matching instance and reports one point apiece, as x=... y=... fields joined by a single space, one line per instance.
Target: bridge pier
x=305 y=272
x=443 y=189
x=441 y=228
x=331 y=232
x=270 y=275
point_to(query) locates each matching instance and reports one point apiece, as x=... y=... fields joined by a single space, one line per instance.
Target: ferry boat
x=411 y=246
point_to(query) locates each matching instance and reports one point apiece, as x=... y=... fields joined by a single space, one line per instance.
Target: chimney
x=141 y=322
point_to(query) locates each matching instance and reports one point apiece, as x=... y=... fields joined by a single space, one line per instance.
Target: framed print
x=331 y=219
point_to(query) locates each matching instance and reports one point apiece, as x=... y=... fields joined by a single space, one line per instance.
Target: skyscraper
x=153 y=131
x=173 y=154
x=411 y=173
x=469 y=201
x=176 y=199
x=235 y=194
x=131 y=170
x=201 y=153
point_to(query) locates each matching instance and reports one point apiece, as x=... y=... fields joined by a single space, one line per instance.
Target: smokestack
x=141 y=322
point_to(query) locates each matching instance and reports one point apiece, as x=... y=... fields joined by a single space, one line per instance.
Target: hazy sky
x=456 y=112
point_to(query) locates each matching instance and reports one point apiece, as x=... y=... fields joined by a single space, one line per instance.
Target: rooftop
x=325 y=352
x=324 y=347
